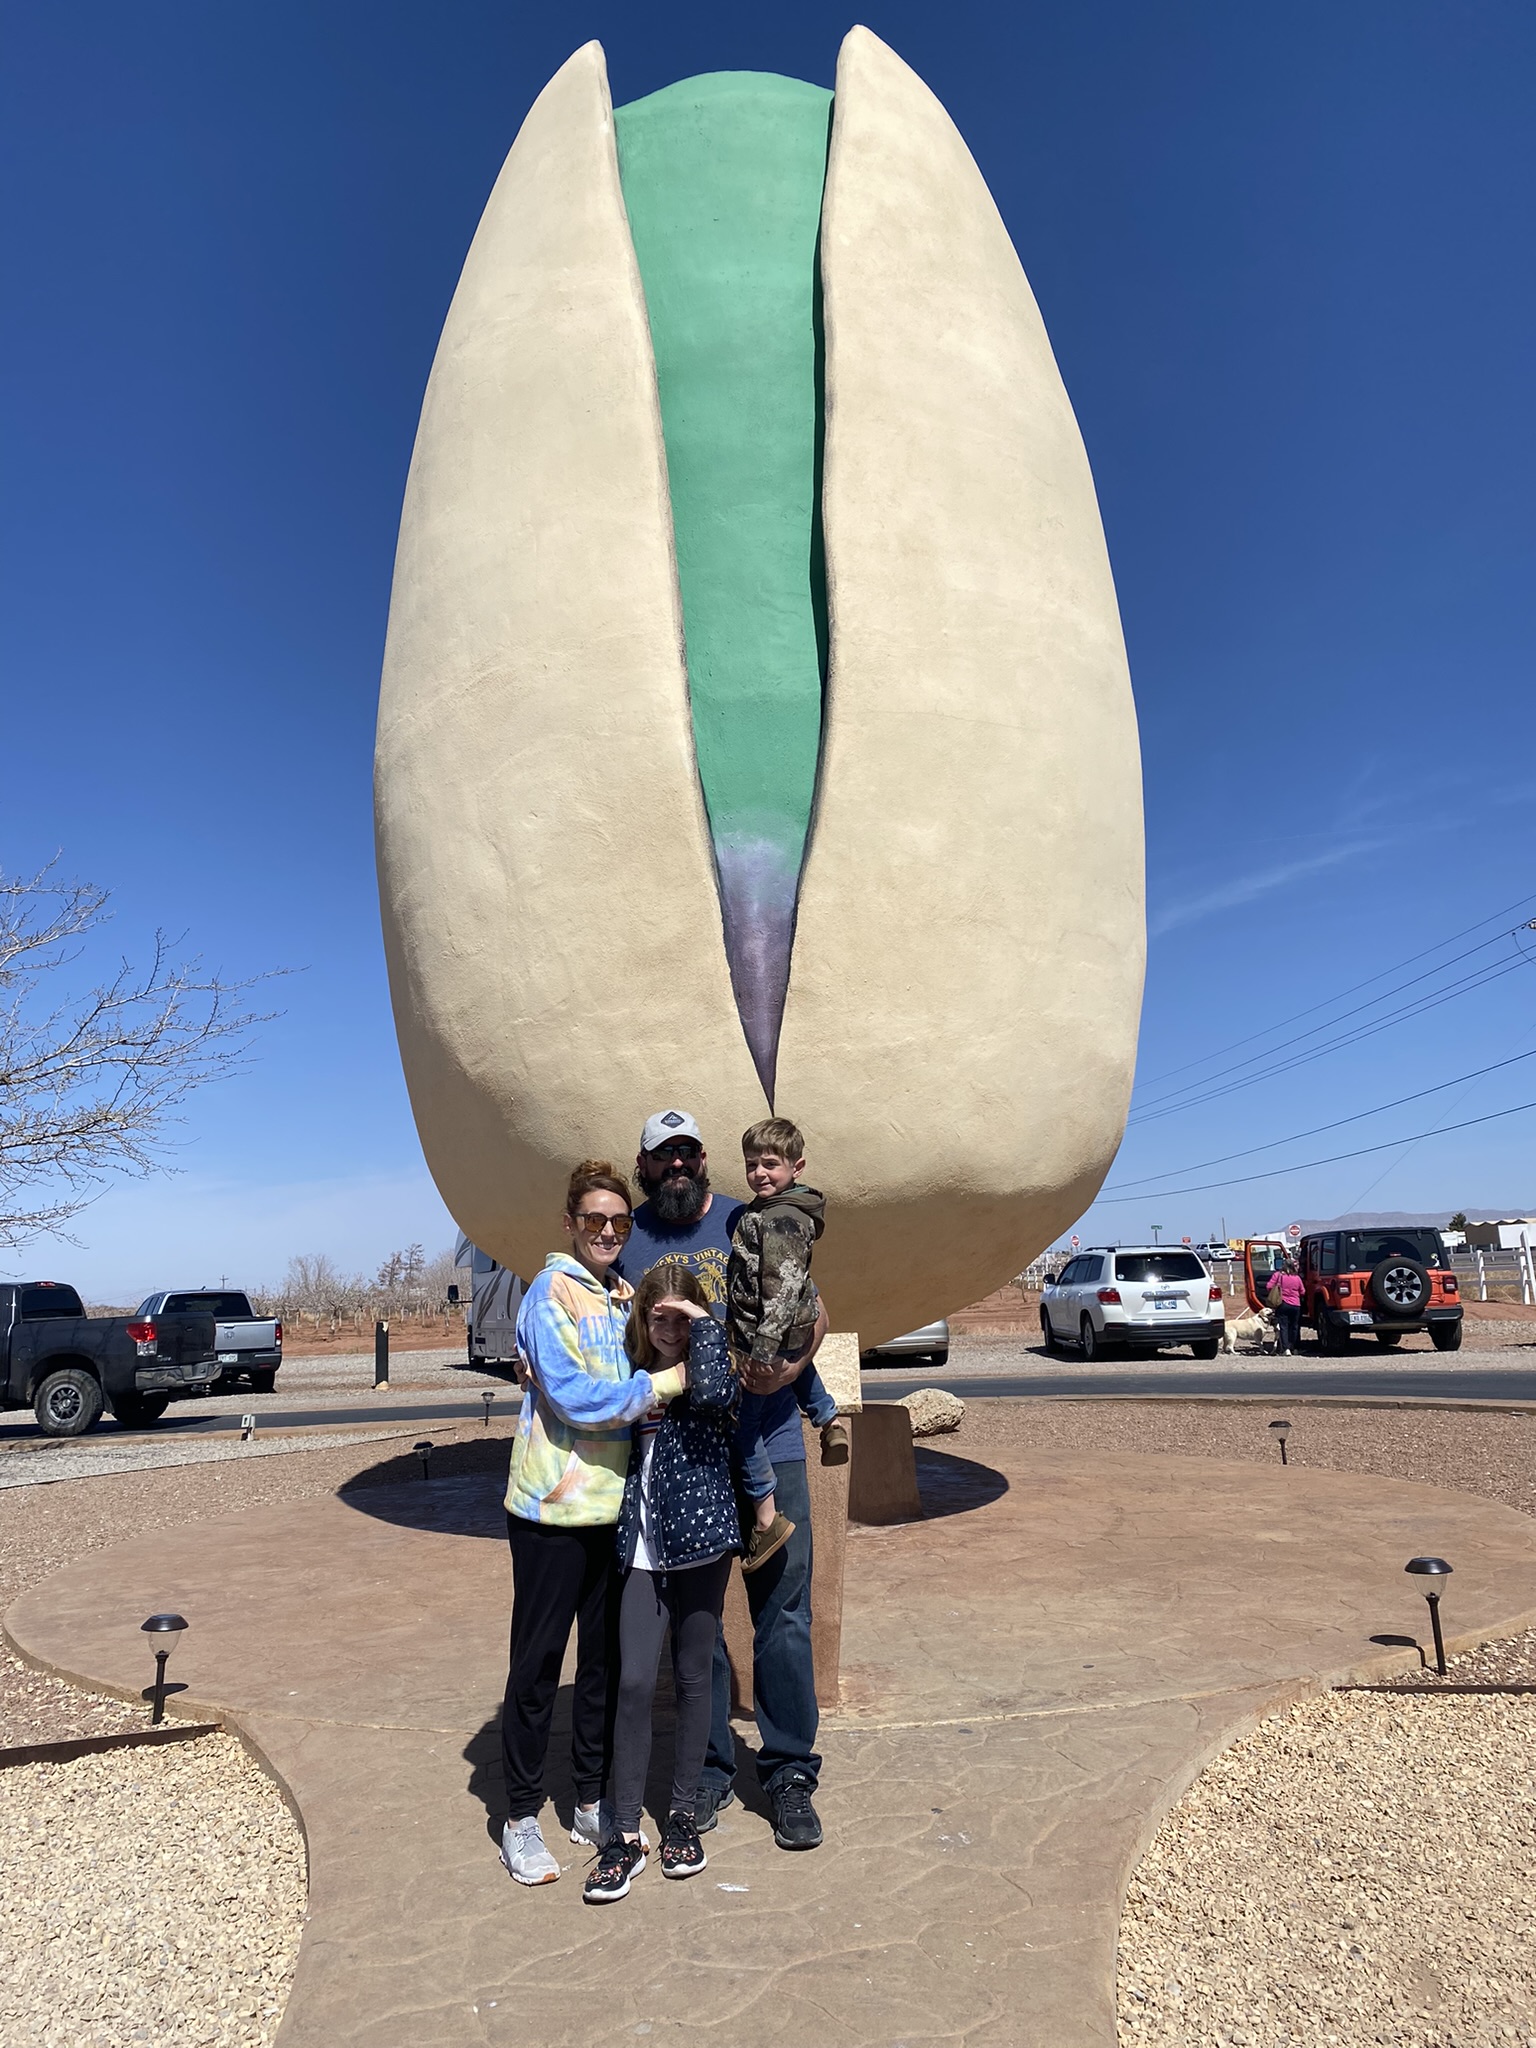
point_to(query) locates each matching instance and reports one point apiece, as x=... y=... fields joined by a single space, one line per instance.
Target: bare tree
x=89 y=1081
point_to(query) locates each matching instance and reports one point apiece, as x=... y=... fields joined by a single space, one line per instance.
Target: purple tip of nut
x=759 y=883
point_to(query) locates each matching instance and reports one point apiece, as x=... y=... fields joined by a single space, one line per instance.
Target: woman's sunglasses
x=595 y=1224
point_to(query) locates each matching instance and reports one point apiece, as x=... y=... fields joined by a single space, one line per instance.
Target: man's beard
x=677 y=1198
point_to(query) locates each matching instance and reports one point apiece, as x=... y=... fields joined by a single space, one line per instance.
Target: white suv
x=1133 y=1294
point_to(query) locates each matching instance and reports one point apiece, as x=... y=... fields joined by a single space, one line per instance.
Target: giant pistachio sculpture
x=755 y=725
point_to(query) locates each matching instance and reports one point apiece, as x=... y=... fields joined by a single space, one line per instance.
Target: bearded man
x=681 y=1220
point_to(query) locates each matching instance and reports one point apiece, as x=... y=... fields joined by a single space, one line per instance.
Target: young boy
x=770 y=1312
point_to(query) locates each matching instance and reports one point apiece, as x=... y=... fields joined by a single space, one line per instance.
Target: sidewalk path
x=1031 y=1675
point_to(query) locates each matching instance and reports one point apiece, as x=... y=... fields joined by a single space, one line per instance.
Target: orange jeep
x=1378 y=1282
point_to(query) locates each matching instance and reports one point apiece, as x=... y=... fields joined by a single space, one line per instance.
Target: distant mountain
x=1403 y=1219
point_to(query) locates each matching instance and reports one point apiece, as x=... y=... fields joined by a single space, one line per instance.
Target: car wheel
x=1401 y=1287
x=1445 y=1336
x=1207 y=1347
x=139 y=1411
x=263 y=1382
x=1048 y=1335
x=1389 y=1339
x=68 y=1402
x=1333 y=1341
x=1092 y=1342
x=938 y=1359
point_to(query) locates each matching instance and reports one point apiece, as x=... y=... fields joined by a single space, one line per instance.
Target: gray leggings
x=689 y=1602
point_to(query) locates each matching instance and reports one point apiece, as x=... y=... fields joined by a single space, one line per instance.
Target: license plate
x=229 y=1358
x=1359 y=1315
x=1164 y=1300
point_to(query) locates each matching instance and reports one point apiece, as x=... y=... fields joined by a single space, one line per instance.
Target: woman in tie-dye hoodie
x=580 y=1401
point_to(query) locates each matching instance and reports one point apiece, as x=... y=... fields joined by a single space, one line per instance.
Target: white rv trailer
x=490 y=1315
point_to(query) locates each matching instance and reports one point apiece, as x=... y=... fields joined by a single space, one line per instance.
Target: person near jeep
x=1284 y=1297
x=682 y=1220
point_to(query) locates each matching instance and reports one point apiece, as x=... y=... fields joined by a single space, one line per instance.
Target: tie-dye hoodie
x=571 y=1452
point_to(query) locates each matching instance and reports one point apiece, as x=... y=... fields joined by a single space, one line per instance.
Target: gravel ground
x=101 y=1458
x=1359 y=1870
x=152 y=1895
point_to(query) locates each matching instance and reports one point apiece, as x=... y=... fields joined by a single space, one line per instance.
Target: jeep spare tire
x=1400 y=1287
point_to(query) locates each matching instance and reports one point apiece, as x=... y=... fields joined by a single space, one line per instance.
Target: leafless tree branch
x=89 y=1082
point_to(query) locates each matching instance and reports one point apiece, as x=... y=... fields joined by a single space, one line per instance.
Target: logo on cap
x=672 y=1119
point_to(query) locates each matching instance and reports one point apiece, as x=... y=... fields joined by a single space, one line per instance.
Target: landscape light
x=1433 y=1573
x=247 y=1428
x=1280 y=1431
x=488 y=1397
x=424 y=1452
x=163 y=1631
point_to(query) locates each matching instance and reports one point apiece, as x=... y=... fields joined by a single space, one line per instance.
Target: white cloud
x=1262 y=882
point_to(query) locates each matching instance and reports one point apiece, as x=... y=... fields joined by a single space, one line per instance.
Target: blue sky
x=1285 y=259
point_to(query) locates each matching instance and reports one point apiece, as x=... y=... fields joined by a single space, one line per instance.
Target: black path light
x=424 y=1452
x=1280 y=1431
x=488 y=1397
x=164 y=1632
x=1432 y=1573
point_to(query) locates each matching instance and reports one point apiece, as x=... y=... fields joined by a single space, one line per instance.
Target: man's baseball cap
x=667 y=1127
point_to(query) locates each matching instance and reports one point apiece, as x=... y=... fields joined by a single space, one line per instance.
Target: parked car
x=931 y=1342
x=68 y=1366
x=249 y=1346
x=1380 y=1283
x=1124 y=1295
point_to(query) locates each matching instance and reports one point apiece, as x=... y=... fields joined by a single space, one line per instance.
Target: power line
x=1419 y=1007
x=1385 y=996
x=1306 y=1165
x=1250 y=1151
x=1327 y=1004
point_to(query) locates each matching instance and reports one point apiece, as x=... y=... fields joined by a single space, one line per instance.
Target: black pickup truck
x=67 y=1366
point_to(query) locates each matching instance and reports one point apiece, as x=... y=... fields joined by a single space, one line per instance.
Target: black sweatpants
x=560 y=1576
x=688 y=1602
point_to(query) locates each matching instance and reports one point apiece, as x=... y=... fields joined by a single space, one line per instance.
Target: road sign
x=1293 y=1230
x=1076 y=1240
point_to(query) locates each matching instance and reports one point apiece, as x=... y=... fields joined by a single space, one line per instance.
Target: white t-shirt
x=645 y=1557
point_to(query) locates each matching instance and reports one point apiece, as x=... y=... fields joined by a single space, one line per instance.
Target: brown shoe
x=834 y=1442
x=762 y=1543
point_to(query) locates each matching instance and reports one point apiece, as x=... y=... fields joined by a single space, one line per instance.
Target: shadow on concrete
x=463 y=1497
x=952 y=1485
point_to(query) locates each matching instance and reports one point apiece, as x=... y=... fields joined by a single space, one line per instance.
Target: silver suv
x=1133 y=1295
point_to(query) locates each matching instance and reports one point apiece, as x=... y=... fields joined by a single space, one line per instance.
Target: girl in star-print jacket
x=678 y=1529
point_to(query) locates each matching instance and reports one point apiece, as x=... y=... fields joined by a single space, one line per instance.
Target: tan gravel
x=1359 y=1870
x=151 y=1895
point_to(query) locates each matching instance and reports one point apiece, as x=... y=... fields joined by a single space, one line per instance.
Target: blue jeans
x=783 y=1677
x=756 y=1466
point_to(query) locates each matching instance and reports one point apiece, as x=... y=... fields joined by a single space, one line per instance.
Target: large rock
x=933 y=1411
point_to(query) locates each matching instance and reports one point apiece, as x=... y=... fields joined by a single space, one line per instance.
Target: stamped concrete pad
x=1034 y=1671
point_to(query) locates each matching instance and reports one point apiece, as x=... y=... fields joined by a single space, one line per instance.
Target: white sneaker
x=524 y=1853
x=594 y=1825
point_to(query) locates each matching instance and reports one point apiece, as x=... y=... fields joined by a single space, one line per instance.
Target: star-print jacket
x=693 y=1514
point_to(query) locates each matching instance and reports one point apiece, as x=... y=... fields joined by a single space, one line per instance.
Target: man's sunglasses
x=686 y=1149
x=595 y=1224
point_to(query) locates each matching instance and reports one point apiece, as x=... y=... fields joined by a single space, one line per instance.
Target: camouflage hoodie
x=770 y=1302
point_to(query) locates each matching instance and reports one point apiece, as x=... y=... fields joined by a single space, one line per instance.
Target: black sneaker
x=795 y=1822
x=609 y=1878
x=682 y=1853
x=706 y=1807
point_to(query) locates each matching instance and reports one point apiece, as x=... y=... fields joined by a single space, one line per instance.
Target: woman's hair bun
x=595 y=1173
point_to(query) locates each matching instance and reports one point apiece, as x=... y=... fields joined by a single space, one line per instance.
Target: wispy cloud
x=1244 y=889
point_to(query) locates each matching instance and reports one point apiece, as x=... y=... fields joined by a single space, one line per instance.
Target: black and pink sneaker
x=617 y=1863
x=682 y=1853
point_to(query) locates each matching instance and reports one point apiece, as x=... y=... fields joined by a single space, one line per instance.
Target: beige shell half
x=550 y=915
x=965 y=987
x=966 y=976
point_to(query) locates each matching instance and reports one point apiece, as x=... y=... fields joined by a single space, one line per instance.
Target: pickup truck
x=67 y=1366
x=249 y=1347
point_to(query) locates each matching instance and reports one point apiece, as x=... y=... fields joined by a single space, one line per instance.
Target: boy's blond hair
x=774 y=1134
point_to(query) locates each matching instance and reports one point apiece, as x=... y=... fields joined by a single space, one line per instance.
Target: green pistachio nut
x=755 y=725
